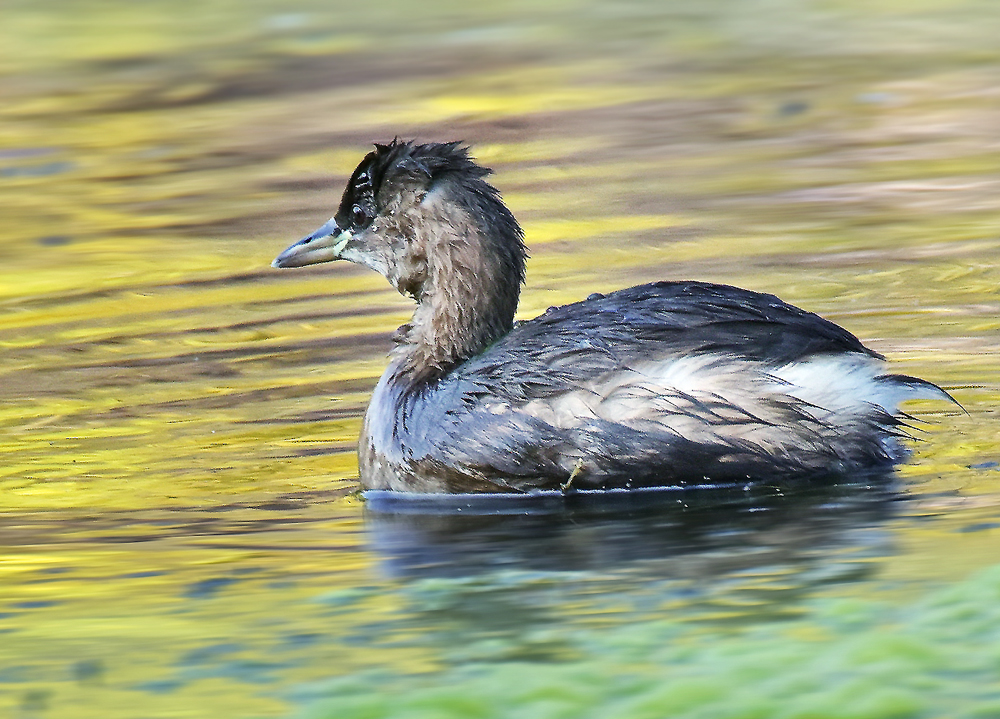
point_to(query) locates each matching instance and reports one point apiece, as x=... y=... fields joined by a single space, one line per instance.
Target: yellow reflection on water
x=178 y=421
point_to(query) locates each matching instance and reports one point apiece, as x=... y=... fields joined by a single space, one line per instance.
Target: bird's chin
x=357 y=254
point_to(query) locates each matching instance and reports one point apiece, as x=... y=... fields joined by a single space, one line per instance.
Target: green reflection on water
x=177 y=421
x=847 y=658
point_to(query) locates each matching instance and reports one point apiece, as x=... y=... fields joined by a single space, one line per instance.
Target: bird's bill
x=323 y=245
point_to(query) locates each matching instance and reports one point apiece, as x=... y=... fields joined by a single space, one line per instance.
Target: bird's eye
x=358 y=215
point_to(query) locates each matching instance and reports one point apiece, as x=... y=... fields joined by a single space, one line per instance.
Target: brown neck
x=467 y=300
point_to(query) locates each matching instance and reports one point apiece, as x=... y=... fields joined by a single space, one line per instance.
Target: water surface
x=178 y=530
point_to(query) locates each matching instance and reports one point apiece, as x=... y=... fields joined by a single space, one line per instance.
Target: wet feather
x=664 y=383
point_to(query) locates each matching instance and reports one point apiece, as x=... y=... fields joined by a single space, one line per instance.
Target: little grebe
x=661 y=384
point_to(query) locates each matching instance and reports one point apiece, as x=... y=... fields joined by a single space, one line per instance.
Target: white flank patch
x=840 y=383
x=713 y=396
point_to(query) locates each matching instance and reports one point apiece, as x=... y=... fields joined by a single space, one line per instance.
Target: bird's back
x=579 y=341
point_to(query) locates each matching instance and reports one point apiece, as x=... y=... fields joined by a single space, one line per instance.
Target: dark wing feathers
x=570 y=344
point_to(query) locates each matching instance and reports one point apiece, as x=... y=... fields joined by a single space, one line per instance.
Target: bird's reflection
x=712 y=528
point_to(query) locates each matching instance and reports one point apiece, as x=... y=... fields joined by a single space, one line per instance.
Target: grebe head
x=424 y=217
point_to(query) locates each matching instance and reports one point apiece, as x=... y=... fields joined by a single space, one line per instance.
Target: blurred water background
x=178 y=533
